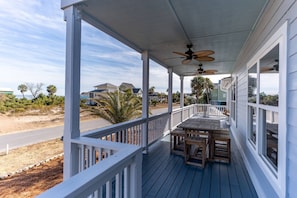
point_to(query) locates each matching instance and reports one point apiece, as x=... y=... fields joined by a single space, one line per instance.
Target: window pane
x=270 y=128
x=252 y=84
x=252 y=123
x=233 y=92
x=269 y=78
x=233 y=110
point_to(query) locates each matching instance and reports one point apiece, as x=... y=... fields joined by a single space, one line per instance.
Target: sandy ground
x=31 y=170
x=22 y=123
x=19 y=123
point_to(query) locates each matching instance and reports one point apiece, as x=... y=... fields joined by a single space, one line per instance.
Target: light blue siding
x=275 y=14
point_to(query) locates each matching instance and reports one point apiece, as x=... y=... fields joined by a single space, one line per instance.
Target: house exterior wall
x=274 y=16
x=107 y=87
x=218 y=96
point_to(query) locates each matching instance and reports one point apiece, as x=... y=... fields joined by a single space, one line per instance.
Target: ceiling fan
x=202 y=55
x=205 y=72
x=274 y=67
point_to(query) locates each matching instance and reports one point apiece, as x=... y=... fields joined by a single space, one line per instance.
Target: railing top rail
x=154 y=117
x=103 y=143
x=181 y=109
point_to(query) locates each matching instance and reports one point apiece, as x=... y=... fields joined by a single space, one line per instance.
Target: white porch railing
x=110 y=163
x=108 y=169
x=210 y=110
x=129 y=132
x=181 y=114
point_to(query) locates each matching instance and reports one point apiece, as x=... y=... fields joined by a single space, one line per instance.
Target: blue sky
x=32 y=49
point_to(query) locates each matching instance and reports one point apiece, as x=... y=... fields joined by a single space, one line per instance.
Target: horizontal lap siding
x=292 y=103
x=275 y=14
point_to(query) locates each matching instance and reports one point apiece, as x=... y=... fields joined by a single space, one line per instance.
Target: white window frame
x=233 y=102
x=276 y=178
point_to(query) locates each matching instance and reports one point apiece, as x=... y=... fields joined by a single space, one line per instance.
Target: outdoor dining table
x=214 y=124
x=205 y=123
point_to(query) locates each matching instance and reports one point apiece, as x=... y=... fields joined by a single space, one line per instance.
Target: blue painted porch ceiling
x=164 y=26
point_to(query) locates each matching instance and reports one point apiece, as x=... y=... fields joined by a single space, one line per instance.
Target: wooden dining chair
x=195 y=147
x=220 y=144
x=177 y=140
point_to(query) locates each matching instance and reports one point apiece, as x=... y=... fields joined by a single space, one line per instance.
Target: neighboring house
x=154 y=97
x=6 y=91
x=137 y=92
x=218 y=96
x=101 y=89
x=128 y=86
x=106 y=87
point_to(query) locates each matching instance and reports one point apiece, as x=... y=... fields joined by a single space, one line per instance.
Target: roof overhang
x=164 y=26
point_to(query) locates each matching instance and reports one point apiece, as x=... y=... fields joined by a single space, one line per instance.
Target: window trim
x=277 y=178
x=234 y=92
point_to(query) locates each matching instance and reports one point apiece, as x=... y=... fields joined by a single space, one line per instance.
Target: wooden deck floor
x=166 y=175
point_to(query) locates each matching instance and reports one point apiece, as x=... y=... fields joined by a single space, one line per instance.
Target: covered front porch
x=112 y=166
x=132 y=159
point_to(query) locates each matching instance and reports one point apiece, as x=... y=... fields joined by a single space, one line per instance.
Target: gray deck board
x=166 y=175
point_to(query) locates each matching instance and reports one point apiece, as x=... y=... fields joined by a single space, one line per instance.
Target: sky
x=32 y=50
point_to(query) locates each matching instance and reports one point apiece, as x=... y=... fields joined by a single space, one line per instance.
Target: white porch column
x=170 y=76
x=72 y=90
x=181 y=97
x=182 y=102
x=145 y=98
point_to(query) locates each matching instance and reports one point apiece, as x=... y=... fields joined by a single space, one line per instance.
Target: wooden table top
x=208 y=124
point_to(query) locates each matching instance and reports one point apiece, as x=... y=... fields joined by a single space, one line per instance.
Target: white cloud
x=32 y=48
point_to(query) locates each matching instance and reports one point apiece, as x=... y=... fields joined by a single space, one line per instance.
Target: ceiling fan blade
x=211 y=70
x=203 y=53
x=186 y=61
x=204 y=58
x=266 y=69
x=182 y=54
x=207 y=73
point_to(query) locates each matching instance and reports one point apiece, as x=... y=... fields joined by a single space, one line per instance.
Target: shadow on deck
x=166 y=175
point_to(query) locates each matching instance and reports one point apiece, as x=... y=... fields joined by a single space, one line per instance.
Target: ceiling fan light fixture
x=200 y=70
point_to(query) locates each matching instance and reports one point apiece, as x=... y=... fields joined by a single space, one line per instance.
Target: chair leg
x=198 y=154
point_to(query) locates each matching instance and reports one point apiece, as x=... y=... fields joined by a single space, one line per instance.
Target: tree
x=51 y=89
x=118 y=107
x=22 y=88
x=34 y=89
x=201 y=88
x=176 y=97
x=151 y=90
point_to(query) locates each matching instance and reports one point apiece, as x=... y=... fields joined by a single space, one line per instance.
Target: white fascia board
x=67 y=3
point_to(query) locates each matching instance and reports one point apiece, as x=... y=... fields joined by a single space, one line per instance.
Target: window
x=233 y=99
x=263 y=92
x=269 y=78
x=252 y=84
x=266 y=103
x=268 y=98
x=269 y=128
x=252 y=122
